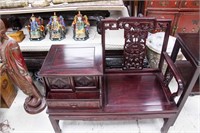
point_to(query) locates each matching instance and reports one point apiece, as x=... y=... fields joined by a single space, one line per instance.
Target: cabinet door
x=189 y=4
x=188 y=22
x=162 y=3
x=165 y=15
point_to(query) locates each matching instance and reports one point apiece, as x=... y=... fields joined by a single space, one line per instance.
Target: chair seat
x=136 y=93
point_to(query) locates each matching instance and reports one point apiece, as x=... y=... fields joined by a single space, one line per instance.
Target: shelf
x=45 y=44
x=89 y=6
x=94 y=37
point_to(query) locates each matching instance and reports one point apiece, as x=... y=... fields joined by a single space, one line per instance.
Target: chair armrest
x=173 y=69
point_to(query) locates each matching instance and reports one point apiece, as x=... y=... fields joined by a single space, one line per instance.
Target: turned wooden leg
x=55 y=124
x=168 y=122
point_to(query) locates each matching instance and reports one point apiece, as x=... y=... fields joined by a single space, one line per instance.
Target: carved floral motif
x=135 y=34
x=84 y=81
x=59 y=83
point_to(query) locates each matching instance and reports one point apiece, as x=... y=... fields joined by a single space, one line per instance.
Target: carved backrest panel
x=135 y=34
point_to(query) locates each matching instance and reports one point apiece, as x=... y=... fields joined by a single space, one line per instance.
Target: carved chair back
x=136 y=31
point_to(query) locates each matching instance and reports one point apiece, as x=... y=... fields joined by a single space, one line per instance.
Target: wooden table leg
x=55 y=124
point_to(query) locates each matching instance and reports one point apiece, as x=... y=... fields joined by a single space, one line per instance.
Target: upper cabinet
x=163 y=4
x=184 y=14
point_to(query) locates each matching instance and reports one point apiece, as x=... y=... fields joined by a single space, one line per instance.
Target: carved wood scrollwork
x=135 y=34
x=161 y=26
x=83 y=81
x=59 y=83
x=112 y=25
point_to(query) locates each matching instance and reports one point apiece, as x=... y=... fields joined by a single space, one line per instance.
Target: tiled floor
x=21 y=122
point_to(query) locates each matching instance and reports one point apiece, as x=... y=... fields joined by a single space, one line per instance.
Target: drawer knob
x=193 y=30
x=185 y=3
x=73 y=105
x=184 y=29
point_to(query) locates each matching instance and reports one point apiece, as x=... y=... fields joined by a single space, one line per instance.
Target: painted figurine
x=14 y=64
x=36 y=28
x=56 y=27
x=80 y=27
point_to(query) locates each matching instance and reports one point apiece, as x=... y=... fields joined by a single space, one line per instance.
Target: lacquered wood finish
x=66 y=60
x=186 y=69
x=80 y=86
x=73 y=77
x=190 y=69
x=184 y=14
x=189 y=45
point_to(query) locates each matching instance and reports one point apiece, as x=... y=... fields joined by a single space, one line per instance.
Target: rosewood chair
x=123 y=90
x=131 y=90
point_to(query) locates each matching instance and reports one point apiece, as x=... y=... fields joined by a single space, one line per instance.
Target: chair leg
x=55 y=124
x=168 y=122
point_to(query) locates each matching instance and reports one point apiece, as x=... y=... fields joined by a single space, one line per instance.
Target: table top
x=190 y=41
x=76 y=60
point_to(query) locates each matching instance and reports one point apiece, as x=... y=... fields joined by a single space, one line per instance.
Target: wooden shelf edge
x=118 y=5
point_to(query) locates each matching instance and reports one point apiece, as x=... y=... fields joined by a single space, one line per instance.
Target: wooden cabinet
x=163 y=3
x=72 y=77
x=188 y=22
x=184 y=14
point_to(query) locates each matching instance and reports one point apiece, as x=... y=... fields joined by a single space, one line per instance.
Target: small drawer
x=190 y=4
x=73 y=104
x=163 y=4
x=80 y=100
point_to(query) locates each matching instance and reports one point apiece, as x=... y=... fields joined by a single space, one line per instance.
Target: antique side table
x=73 y=79
x=190 y=68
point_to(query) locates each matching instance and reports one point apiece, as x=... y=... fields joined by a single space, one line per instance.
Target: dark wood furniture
x=75 y=91
x=184 y=14
x=189 y=68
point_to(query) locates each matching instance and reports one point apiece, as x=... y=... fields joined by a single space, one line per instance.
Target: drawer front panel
x=73 y=104
x=165 y=15
x=188 y=22
x=163 y=4
x=190 y=4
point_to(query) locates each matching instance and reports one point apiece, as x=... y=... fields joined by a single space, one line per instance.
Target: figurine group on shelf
x=57 y=28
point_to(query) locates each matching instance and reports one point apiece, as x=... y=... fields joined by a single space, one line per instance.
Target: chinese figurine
x=56 y=27
x=15 y=66
x=80 y=27
x=36 y=28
